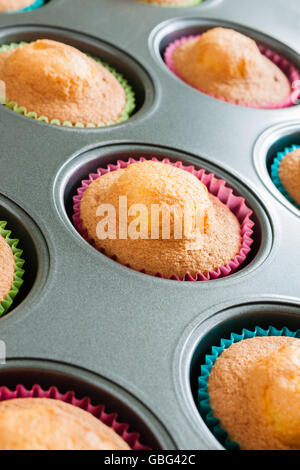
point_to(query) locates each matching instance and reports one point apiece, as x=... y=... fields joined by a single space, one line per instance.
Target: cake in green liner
x=11 y=271
x=56 y=83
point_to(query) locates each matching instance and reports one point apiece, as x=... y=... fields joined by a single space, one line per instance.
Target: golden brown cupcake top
x=254 y=389
x=7 y=268
x=229 y=65
x=289 y=172
x=60 y=82
x=11 y=5
x=209 y=236
x=47 y=424
x=274 y=385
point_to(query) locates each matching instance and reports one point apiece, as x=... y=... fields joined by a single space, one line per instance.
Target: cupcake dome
x=57 y=81
x=210 y=238
x=229 y=65
x=11 y=271
x=254 y=391
x=48 y=424
x=289 y=172
x=13 y=5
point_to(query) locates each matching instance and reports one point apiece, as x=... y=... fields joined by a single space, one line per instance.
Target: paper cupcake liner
x=130 y=98
x=276 y=177
x=215 y=186
x=19 y=272
x=34 y=6
x=292 y=73
x=206 y=410
x=189 y=3
x=110 y=419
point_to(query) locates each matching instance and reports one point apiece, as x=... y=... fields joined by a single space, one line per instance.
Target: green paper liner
x=189 y=3
x=205 y=409
x=276 y=177
x=19 y=272
x=127 y=111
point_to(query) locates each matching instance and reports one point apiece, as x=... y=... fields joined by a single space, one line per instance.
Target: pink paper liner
x=292 y=73
x=215 y=186
x=110 y=419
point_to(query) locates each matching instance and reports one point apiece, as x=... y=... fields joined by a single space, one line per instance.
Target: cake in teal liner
x=11 y=272
x=19 y=6
x=249 y=390
x=56 y=83
x=285 y=174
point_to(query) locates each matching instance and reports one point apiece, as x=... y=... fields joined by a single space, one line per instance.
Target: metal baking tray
x=84 y=322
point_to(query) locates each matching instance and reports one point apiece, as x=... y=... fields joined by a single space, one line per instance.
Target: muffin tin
x=84 y=322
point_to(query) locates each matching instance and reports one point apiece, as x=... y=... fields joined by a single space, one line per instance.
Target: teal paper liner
x=275 y=173
x=34 y=6
x=205 y=409
x=6 y=303
x=125 y=115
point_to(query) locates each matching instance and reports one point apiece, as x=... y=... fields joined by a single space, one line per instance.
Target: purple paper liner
x=215 y=186
x=292 y=73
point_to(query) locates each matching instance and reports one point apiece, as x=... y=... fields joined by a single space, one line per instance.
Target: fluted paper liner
x=127 y=111
x=292 y=73
x=276 y=177
x=19 y=272
x=110 y=419
x=215 y=186
x=205 y=409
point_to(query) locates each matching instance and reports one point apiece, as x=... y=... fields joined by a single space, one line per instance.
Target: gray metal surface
x=92 y=318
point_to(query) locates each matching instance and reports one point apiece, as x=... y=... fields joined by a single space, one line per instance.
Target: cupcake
x=19 y=5
x=172 y=3
x=47 y=424
x=162 y=220
x=11 y=271
x=34 y=419
x=285 y=172
x=57 y=83
x=254 y=392
x=230 y=66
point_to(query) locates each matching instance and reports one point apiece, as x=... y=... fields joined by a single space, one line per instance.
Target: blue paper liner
x=276 y=177
x=205 y=409
x=34 y=6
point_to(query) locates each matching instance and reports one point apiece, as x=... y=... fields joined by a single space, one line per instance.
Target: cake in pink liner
x=80 y=425
x=230 y=66
x=217 y=249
